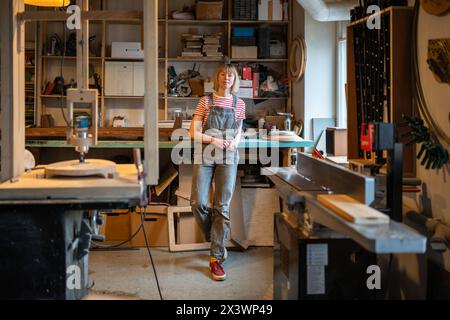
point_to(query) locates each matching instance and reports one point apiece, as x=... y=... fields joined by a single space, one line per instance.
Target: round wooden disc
x=76 y=169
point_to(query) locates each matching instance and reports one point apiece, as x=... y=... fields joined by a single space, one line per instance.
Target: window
x=341 y=103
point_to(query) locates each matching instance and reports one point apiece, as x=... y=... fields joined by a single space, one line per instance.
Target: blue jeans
x=214 y=223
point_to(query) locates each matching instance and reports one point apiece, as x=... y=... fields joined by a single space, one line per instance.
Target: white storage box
x=246 y=83
x=127 y=50
x=246 y=93
x=208 y=87
x=124 y=78
x=270 y=10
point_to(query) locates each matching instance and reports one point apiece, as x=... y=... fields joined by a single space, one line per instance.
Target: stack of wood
x=211 y=45
x=193 y=44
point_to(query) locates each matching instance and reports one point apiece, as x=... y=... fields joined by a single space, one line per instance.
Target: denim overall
x=222 y=166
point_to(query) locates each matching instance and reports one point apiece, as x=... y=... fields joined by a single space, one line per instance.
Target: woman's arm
x=235 y=142
x=196 y=132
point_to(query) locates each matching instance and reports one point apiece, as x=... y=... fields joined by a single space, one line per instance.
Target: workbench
x=284 y=148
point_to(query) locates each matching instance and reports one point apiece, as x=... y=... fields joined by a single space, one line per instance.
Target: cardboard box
x=259 y=207
x=188 y=231
x=156 y=229
x=277 y=121
x=336 y=141
x=117 y=225
x=127 y=50
x=270 y=10
x=244 y=52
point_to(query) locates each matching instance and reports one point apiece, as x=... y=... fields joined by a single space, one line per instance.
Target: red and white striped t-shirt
x=204 y=105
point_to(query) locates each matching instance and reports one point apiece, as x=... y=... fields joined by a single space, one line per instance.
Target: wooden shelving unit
x=397 y=76
x=128 y=27
x=169 y=56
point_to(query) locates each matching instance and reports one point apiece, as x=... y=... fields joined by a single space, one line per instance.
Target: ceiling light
x=48 y=3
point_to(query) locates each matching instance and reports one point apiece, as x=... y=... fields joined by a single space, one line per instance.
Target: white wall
x=320 y=78
x=437 y=96
x=436 y=198
x=315 y=96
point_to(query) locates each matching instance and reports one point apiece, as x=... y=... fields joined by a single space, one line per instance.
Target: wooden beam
x=13 y=89
x=115 y=16
x=103 y=133
x=83 y=49
x=151 y=100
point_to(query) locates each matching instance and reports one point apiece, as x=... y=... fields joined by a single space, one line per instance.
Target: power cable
x=141 y=226
x=150 y=252
x=98 y=246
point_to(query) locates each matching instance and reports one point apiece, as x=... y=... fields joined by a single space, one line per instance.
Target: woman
x=217 y=124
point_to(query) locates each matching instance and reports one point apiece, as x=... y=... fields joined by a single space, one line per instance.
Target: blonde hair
x=229 y=69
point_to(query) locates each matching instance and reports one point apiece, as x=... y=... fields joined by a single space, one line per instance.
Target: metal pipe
x=322 y=11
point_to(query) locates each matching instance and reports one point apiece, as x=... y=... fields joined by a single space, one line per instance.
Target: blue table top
x=244 y=144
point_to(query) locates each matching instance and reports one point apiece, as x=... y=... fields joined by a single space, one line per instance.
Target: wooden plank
x=39 y=72
x=12 y=90
x=33 y=186
x=402 y=96
x=94 y=15
x=352 y=120
x=151 y=100
x=174 y=247
x=352 y=210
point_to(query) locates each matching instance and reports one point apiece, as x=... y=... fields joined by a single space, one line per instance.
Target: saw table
x=318 y=253
x=47 y=225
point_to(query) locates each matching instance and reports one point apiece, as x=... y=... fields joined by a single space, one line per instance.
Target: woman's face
x=226 y=79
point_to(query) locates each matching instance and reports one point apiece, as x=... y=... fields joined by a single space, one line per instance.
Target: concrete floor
x=182 y=276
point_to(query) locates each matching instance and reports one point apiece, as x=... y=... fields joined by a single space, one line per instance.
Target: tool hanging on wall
x=297 y=59
x=432 y=153
x=436 y=7
x=372 y=74
x=439 y=59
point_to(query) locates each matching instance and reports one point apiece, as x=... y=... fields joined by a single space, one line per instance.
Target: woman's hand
x=233 y=146
x=220 y=143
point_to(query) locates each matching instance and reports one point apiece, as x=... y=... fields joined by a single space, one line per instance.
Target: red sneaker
x=217 y=271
